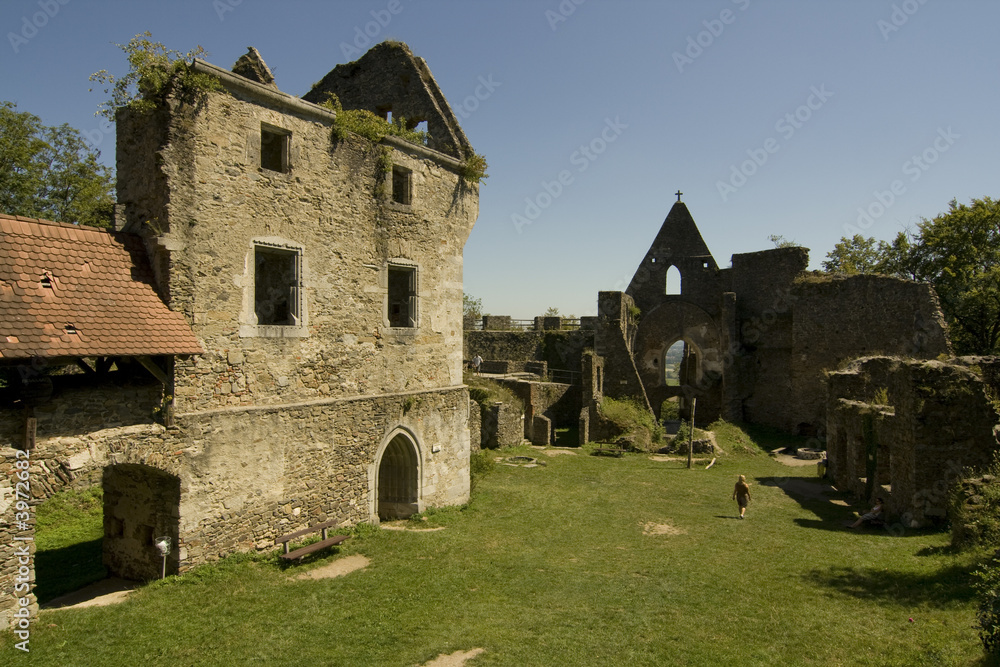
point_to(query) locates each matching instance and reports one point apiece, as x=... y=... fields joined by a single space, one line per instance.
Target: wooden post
x=694 y=406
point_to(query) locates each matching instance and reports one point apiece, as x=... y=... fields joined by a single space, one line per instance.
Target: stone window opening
x=401 y=299
x=402 y=185
x=277 y=283
x=673 y=281
x=274 y=142
x=385 y=112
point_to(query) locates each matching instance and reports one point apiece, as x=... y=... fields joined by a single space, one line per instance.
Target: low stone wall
x=233 y=479
x=559 y=349
x=502 y=426
x=907 y=429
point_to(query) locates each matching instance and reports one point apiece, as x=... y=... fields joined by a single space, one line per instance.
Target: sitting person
x=875 y=514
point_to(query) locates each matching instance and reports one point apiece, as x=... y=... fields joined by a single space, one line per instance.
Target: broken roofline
x=313 y=111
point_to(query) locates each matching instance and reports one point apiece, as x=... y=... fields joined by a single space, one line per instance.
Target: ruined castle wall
x=937 y=421
x=762 y=282
x=333 y=209
x=73 y=425
x=841 y=317
x=560 y=349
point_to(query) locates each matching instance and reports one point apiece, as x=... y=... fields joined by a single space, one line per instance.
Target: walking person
x=741 y=494
x=477 y=361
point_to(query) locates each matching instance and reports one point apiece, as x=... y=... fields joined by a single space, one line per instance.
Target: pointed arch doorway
x=398 y=487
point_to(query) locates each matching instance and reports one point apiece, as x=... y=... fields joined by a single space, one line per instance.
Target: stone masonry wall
x=331 y=207
x=839 y=318
x=560 y=349
x=930 y=420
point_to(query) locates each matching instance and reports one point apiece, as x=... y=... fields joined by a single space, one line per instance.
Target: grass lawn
x=553 y=566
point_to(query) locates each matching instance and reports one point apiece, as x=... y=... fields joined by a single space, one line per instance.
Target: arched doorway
x=140 y=504
x=398 y=479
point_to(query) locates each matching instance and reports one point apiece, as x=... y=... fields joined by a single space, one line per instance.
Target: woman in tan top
x=741 y=494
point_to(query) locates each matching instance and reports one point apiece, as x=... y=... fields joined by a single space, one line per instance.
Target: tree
x=855 y=255
x=50 y=172
x=551 y=312
x=472 y=308
x=959 y=253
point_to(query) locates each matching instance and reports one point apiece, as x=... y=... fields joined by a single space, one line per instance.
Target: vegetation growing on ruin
x=486 y=392
x=369 y=125
x=474 y=170
x=154 y=73
x=635 y=422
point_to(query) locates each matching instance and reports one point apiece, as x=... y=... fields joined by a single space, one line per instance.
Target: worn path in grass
x=584 y=561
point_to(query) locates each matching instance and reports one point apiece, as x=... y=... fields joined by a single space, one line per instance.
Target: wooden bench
x=609 y=451
x=315 y=546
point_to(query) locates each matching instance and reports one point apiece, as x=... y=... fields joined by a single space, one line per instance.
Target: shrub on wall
x=487 y=392
x=988 y=589
x=635 y=422
x=975 y=510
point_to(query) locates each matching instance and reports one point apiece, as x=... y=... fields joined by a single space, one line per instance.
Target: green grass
x=69 y=529
x=551 y=566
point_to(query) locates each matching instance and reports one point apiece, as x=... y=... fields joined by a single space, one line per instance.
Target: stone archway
x=397 y=489
x=140 y=504
x=680 y=321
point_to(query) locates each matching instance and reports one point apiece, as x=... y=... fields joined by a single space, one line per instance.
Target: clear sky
x=786 y=117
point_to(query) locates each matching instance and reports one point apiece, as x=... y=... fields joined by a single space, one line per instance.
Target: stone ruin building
x=768 y=342
x=272 y=336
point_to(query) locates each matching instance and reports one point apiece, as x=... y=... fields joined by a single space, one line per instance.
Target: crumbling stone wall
x=925 y=421
x=559 y=349
x=502 y=425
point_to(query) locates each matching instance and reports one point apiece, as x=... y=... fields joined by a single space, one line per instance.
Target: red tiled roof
x=74 y=291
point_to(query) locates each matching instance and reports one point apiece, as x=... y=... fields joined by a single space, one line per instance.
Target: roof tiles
x=67 y=290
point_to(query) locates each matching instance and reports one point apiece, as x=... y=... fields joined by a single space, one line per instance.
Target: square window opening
x=402 y=185
x=274 y=148
x=402 y=296
x=276 y=286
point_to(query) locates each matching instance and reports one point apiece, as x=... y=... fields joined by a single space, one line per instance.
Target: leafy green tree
x=472 y=308
x=551 y=312
x=50 y=172
x=855 y=255
x=959 y=253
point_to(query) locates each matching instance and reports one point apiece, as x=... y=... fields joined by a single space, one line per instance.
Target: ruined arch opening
x=140 y=504
x=398 y=476
x=681 y=364
x=672 y=283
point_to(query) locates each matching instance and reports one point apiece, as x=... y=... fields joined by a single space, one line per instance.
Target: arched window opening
x=673 y=282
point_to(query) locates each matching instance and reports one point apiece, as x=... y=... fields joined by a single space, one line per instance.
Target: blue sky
x=773 y=117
